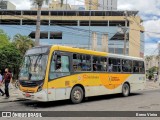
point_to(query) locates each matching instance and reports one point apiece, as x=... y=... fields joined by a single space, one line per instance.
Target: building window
x=119 y=50
x=55 y=35
x=111 y=50
x=116 y=23
x=64 y=22
x=43 y=35
x=10 y=22
x=84 y=23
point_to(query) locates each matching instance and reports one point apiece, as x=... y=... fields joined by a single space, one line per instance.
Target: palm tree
x=23 y=43
x=39 y=3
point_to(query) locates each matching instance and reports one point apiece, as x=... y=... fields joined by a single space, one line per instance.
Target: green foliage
x=11 y=53
x=4 y=39
x=151 y=72
x=10 y=58
x=23 y=43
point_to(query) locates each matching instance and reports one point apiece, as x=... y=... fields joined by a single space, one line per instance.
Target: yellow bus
x=51 y=73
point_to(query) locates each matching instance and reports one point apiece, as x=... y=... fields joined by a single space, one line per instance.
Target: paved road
x=142 y=101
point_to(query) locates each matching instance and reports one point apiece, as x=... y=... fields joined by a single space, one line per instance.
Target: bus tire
x=125 y=89
x=77 y=95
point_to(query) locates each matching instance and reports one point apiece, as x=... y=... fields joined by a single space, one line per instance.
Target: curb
x=15 y=100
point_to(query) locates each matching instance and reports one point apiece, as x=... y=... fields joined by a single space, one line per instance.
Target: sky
x=149 y=10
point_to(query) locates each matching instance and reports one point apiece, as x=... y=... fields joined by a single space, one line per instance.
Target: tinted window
x=99 y=63
x=126 y=65
x=114 y=65
x=81 y=62
x=138 y=67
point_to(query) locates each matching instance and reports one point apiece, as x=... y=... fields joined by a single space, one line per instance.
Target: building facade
x=75 y=28
x=152 y=61
x=55 y=5
x=6 y=5
x=101 y=4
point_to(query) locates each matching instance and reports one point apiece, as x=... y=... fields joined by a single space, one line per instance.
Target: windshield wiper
x=38 y=58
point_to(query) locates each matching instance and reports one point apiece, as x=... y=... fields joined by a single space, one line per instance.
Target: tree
x=23 y=43
x=39 y=3
x=151 y=72
x=10 y=58
x=4 y=39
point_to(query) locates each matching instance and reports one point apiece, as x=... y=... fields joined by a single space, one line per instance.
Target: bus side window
x=81 y=62
x=127 y=65
x=141 y=67
x=114 y=65
x=96 y=63
x=59 y=67
x=136 y=67
x=75 y=62
x=86 y=63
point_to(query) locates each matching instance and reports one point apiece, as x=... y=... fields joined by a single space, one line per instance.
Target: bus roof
x=91 y=52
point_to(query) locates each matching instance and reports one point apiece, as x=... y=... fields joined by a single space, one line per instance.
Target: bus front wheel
x=125 y=89
x=77 y=95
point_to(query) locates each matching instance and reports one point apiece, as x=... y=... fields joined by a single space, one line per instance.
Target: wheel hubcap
x=125 y=90
x=77 y=95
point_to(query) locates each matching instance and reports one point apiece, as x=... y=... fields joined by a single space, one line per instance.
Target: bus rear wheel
x=77 y=95
x=125 y=89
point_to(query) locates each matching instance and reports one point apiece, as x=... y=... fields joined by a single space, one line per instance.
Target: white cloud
x=144 y=6
x=153 y=26
x=27 y=4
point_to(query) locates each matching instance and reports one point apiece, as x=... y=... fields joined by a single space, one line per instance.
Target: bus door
x=61 y=71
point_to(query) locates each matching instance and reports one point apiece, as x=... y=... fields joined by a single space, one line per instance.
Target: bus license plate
x=28 y=95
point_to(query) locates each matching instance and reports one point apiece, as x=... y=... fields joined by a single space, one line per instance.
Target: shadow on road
x=37 y=105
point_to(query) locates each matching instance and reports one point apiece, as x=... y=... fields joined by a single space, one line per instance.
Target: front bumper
x=38 y=96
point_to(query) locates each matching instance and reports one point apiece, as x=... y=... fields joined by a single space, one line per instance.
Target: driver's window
x=59 y=67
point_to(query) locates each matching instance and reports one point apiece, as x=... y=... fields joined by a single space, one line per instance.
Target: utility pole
x=125 y=34
x=89 y=41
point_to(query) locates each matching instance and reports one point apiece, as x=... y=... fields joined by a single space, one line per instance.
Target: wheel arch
x=128 y=85
x=79 y=85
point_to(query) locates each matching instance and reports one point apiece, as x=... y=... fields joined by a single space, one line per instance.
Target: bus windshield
x=33 y=67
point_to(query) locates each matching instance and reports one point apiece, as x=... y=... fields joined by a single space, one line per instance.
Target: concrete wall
x=10 y=6
x=107 y=5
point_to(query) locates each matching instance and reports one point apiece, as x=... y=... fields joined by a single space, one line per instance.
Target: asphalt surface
x=141 y=101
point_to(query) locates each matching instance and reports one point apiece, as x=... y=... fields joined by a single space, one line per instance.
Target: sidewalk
x=15 y=93
x=151 y=85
